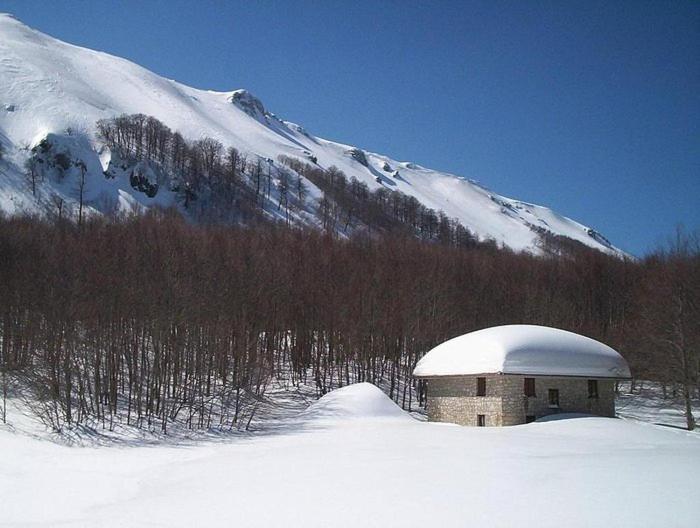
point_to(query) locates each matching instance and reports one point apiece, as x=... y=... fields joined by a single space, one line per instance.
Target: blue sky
x=590 y=108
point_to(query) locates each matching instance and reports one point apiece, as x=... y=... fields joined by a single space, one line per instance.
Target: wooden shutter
x=530 y=387
x=554 y=397
x=592 y=388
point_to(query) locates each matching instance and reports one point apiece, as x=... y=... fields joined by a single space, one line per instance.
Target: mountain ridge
x=51 y=87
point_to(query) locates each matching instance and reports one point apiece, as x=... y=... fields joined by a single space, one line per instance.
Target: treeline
x=154 y=320
x=348 y=201
x=218 y=184
x=210 y=180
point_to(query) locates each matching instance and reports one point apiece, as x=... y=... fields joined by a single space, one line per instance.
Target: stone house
x=509 y=375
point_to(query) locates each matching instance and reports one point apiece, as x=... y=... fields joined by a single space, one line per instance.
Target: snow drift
x=357 y=401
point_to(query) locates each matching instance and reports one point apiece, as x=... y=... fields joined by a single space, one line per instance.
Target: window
x=481 y=386
x=554 y=397
x=592 y=388
x=530 y=418
x=481 y=420
x=530 y=387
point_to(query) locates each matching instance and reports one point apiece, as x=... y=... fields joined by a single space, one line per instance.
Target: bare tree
x=31 y=169
x=82 y=182
x=671 y=311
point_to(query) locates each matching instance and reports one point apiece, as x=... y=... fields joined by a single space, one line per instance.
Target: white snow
x=647 y=403
x=47 y=86
x=377 y=468
x=523 y=349
x=358 y=401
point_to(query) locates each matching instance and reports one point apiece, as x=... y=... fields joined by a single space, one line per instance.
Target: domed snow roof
x=523 y=349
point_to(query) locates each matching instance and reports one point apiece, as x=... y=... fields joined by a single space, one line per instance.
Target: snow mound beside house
x=360 y=400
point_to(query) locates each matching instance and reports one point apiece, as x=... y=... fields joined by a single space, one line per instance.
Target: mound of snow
x=361 y=400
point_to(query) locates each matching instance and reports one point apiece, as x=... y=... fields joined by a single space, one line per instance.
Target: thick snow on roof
x=523 y=349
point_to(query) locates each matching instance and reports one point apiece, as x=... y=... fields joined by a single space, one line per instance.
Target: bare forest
x=214 y=184
x=153 y=319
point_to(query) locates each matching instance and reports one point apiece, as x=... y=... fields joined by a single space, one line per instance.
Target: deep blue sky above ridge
x=591 y=108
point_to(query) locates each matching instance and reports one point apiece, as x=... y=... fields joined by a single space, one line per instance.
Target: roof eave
x=533 y=374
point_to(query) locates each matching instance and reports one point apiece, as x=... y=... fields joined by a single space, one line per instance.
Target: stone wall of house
x=453 y=399
x=573 y=396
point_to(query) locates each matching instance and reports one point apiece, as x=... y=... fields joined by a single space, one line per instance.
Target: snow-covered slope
x=48 y=86
x=377 y=469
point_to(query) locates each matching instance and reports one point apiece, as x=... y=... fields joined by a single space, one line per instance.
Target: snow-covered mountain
x=52 y=89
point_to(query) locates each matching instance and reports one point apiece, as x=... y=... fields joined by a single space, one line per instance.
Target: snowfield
x=49 y=87
x=355 y=459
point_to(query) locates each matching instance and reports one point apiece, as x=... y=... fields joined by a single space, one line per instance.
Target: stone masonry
x=453 y=398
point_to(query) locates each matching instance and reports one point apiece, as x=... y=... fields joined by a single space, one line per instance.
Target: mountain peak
x=11 y=21
x=247 y=102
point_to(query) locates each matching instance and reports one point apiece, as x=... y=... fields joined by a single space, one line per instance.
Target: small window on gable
x=592 y=388
x=530 y=387
x=554 y=397
x=481 y=386
x=481 y=420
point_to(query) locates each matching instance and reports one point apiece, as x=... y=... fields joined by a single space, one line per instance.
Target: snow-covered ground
x=648 y=404
x=355 y=459
x=48 y=86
